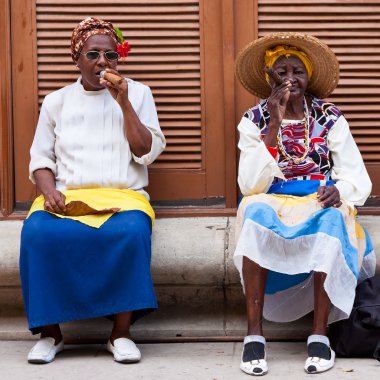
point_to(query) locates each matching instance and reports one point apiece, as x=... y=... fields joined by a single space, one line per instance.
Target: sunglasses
x=94 y=54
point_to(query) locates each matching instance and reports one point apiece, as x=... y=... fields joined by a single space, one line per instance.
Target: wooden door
x=177 y=49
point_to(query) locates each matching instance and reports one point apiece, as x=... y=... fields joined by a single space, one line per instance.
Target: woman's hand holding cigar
x=116 y=85
x=137 y=134
x=114 y=79
x=272 y=74
x=277 y=102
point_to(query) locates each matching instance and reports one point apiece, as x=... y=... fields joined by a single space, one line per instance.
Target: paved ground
x=182 y=361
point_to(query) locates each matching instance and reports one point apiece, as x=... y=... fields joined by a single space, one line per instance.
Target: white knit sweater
x=80 y=138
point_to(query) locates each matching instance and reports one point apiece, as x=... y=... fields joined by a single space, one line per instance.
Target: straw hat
x=249 y=65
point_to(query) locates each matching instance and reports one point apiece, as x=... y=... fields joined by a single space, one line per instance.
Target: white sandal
x=253 y=359
x=319 y=351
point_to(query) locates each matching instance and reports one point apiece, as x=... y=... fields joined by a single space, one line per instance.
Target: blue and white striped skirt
x=287 y=232
x=70 y=271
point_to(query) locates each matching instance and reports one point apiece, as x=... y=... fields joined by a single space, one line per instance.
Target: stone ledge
x=164 y=325
x=184 y=250
x=197 y=285
x=188 y=253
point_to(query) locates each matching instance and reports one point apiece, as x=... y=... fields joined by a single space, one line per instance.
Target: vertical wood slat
x=24 y=93
x=165 y=55
x=213 y=96
x=246 y=30
x=229 y=99
x=346 y=27
x=6 y=137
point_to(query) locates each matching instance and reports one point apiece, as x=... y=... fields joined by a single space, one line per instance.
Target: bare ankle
x=319 y=331
x=52 y=331
x=255 y=331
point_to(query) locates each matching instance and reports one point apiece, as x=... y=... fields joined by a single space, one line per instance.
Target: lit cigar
x=277 y=79
x=113 y=78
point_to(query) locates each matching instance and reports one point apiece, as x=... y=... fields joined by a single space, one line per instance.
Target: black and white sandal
x=321 y=356
x=253 y=358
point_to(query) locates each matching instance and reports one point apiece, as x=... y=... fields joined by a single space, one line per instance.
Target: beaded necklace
x=280 y=144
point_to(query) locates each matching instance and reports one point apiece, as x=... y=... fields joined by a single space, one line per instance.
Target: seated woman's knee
x=135 y=223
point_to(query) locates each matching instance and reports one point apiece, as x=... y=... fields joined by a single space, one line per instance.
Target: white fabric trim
x=318 y=252
x=368 y=268
x=255 y=338
x=318 y=339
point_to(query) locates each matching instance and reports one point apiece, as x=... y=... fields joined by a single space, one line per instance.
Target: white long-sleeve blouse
x=80 y=138
x=258 y=168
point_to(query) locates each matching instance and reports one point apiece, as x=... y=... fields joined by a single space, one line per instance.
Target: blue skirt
x=70 y=271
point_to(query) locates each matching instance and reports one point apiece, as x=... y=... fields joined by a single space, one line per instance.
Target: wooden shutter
x=178 y=49
x=352 y=29
x=165 y=55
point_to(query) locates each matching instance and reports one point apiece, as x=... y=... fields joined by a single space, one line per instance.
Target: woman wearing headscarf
x=301 y=174
x=86 y=243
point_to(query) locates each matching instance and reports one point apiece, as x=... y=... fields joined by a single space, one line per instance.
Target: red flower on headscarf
x=123 y=49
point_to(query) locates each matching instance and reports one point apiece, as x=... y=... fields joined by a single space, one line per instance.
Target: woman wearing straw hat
x=301 y=174
x=86 y=243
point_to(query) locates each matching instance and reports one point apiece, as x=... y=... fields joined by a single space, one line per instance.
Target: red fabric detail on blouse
x=273 y=151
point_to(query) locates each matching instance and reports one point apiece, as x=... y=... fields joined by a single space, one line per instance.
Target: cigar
x=113 y=78
x=277 y=79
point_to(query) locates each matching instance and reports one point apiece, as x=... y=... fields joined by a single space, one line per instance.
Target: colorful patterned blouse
x=318 y=163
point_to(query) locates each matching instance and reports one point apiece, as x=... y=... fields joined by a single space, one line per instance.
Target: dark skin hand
x=54 y=199
x=281 y=101
x=277 y=103
x=329 y=196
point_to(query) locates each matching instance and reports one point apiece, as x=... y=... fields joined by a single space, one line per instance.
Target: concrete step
x=184 y=313
x=165 y=326
x=197 y=285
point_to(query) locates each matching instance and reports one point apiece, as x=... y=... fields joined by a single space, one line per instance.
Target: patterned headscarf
x=87 y=28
